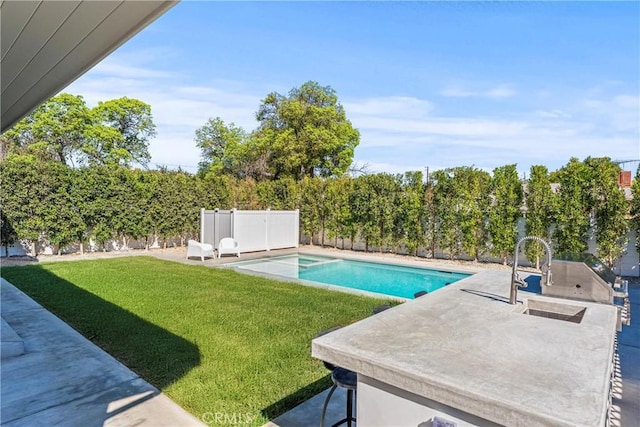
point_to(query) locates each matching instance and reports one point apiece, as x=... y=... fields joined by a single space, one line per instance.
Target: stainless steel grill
x=584 y=277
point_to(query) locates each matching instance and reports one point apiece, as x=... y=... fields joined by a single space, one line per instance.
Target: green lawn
x=213 y=340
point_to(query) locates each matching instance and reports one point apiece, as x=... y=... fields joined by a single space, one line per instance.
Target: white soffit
x=48 y=44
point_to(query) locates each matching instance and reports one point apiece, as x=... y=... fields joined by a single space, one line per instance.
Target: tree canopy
x=65 y=130
x=572 y=208
x=219 y=146
x=303 y=134
x=609 y=207
x=540 y=202
x=132 y=122
x=505 y=210
x=635 y=208
x=56 y=130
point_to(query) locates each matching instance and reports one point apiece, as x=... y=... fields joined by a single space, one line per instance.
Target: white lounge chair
x=199 y=249
x=228 y=246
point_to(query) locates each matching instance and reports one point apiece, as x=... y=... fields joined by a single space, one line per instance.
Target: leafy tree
x=267 y=194
x=471 y=191
x=538 y=219
x=244 y=194
x=56 y=130
x=461 y=198
x=430 y=217
x=63 y=222
x=572 y=208
x=410 y=219
x=102 y=146
x=133 y=121
x=312 y=207
x=339 y=221
x=252 y=159
x=22 y=201
x=362 y=216
x=186 y=211
x=219 y=146
x=130 y=199
x=98 y=190
x=307 y=132
x=280 y=194
x=64 y=129
x=172 y=207
x=388 y=189
x=4 y=146
x=635 y=207
x=8 y=235
x=159 y=217
x=610 y=208
x=504 y=211
x=447 y=234
x=287 y=193
x=374 y=205
x=89 y=195
x=216 y=191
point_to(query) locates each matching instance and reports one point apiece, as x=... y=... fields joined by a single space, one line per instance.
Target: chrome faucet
x=516 y=281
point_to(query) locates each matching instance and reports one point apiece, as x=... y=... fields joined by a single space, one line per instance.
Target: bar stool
x=348 y=380
x=344 y=378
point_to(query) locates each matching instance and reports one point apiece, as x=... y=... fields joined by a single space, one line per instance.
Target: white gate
x=253 y=230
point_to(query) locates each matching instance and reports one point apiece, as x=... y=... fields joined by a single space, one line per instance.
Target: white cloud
x=500 y=92
x=627 y=101
x=116 y=69
x=458 y=126
x=549 y=136
x=392 y=106
x=620 y=112
x=553 y=114
x=497 y=92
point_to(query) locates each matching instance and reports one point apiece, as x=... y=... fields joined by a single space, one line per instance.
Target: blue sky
x=428 y=84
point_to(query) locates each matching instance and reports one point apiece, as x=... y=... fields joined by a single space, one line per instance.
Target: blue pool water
x=386 y=279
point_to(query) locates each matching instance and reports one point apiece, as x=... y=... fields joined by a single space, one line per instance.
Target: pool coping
x=400 y=260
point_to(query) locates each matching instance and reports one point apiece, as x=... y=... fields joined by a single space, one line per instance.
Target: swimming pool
x=386 y=279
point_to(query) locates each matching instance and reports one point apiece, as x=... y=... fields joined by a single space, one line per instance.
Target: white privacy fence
x=253 y=230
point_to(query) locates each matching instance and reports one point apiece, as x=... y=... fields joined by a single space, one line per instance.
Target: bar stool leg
x=349 y=407
x=326 y=404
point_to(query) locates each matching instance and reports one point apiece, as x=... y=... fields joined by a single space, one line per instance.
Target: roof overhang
x=46 y=45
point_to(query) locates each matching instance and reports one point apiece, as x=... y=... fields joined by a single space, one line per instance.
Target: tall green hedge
x=460 y=211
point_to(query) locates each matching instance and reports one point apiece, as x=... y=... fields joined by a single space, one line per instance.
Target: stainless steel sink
x=553 y=310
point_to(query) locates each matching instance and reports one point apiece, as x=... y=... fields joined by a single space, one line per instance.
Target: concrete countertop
x=466 y=347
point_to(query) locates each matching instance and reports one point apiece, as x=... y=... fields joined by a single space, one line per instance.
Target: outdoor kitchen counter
x=468 y=350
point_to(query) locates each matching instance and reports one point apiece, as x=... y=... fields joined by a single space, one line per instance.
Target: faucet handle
x=520 y=281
